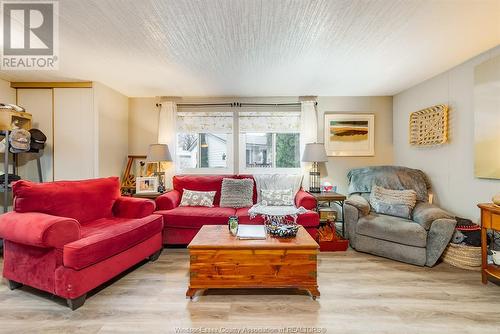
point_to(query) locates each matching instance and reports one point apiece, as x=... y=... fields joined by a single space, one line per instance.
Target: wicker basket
x=461 y=256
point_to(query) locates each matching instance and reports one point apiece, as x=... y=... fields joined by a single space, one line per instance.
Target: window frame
x=236 y=152
x=243 y=169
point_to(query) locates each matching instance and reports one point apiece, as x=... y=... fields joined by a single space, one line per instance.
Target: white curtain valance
x=204 y=121
x=286 y=119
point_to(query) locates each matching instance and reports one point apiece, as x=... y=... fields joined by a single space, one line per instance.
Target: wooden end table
x=152 y=196
x=490 y=219
x=331 y=197
x=218 y=260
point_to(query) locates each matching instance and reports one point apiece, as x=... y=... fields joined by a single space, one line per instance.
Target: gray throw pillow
x=399 y=203
x=197 y=198
x=276 y=197
x=236 y=193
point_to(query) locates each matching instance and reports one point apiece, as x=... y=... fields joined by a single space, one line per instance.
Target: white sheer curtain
x=166 y=135
x=308 y=134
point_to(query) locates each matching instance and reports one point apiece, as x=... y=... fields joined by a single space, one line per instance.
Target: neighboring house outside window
x=268 y=140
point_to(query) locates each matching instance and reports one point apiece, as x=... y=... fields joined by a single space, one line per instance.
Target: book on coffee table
x=251 y=232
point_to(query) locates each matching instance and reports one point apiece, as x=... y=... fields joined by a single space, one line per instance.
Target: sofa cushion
x=277 y=197
x=308 y=219
x=247 y=176
x=236 y=193
x=84 y=200
x=197 y=198
x=393 y=229
x=200 y=183
x=399 y=203
x=106 y=237
x=196 y=217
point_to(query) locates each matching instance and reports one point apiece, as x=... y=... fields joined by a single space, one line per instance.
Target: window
x=204 y=140
x=202 y=150
x=269 y=139
x=272 y=150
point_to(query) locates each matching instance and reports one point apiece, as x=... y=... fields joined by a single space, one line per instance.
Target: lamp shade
x=158 y=152
x=314 y=152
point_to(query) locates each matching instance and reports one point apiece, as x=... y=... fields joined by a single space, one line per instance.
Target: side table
x=152 y=196
x=331 y=197
x=490 y=219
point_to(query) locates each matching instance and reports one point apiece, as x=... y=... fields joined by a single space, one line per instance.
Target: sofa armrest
x=168 y=201
x=130 y=207
x=426 y=213
x=39 y=229
x=360 y=203
x=305 y=200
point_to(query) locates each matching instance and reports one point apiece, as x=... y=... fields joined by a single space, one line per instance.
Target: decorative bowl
x=282 y=230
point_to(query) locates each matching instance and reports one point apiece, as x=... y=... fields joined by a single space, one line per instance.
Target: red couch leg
x=153 y=257
x=76 y=302
x=14 y=285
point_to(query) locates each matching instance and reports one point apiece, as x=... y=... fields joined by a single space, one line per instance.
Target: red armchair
x=69 y=237
x=182 y=223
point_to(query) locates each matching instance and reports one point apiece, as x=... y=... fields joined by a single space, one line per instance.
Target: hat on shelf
x=38 y=139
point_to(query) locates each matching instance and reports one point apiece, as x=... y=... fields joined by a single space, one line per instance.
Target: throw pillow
x=277 y=182
x=399 y=203
x=277 y=197
x=236 y=193
x=197 y=198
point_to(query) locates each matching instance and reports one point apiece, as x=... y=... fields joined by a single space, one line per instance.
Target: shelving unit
x=21 y=120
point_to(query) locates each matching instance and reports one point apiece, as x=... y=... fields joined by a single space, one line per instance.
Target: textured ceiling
x=267 y=48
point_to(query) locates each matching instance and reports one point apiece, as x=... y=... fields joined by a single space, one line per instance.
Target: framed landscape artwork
x=350 y=134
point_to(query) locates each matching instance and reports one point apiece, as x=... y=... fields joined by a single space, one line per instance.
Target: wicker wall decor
x=429 y=126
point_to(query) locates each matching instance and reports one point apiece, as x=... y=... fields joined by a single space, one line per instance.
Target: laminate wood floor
x=360 y=293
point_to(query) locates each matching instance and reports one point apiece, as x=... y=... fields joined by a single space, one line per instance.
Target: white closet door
x=74 y=134
x=37 y=102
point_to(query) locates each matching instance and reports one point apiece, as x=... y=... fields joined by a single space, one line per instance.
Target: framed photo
x=146 y=184
x=350 y=135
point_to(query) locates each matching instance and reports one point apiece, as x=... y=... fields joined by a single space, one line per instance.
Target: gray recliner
x=419 y=241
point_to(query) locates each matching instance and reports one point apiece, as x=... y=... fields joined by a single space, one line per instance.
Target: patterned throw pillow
x=197 y=198
x=399 y=203
x=276 y=197
x=236 y=193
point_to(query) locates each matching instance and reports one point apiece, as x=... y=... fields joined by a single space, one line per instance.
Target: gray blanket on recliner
x=390 y=177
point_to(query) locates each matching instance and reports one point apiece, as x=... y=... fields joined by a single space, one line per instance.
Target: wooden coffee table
x=219 y=260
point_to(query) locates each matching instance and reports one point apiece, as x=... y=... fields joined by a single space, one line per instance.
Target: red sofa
x=182 y=223
x=69 y=237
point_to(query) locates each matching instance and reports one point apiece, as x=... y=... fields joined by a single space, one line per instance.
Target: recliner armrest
x=130 y=207
x=426 y=213
x=360 y=203
x=305 y=200
x=168 y=201
x=39 y=229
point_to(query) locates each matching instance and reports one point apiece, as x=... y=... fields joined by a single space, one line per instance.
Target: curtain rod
x=237 y=104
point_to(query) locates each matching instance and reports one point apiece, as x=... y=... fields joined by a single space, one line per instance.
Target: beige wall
x=450 y=166
x=336 y=169
x=7 y=94
x=143 y=127
x=112 y=110
x=142 y=124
